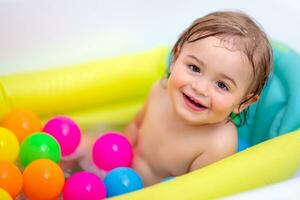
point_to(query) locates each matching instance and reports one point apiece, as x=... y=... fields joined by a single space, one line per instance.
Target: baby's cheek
x=222 y=105
x=179 y=80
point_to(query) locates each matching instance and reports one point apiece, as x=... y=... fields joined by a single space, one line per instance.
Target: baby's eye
x=194 y=68
x=222 y=85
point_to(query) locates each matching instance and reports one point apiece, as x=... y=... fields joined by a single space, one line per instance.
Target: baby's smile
x=193 y=103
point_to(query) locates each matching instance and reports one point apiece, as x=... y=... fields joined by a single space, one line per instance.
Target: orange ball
x=11 y=178
x=22 y=122
x=43 y=179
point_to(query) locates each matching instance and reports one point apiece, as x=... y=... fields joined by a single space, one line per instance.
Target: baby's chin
x=193 y=121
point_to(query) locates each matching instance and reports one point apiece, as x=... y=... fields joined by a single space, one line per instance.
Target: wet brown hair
x=242 y=34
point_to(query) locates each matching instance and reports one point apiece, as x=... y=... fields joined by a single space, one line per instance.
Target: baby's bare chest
x=168 y=149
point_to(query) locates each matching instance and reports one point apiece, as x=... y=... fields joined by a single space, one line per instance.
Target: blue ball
x=167 y=179
x=122 y=180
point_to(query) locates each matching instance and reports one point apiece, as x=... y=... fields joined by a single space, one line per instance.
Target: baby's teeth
x=194 y=100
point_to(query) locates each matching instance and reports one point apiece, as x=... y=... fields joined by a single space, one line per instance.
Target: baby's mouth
x=194 y=103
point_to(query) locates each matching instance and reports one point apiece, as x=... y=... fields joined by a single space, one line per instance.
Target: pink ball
x=65 y=131
x=112 y=150
x=84 y=185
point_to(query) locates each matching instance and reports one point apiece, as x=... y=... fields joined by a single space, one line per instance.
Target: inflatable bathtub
x=111 y=91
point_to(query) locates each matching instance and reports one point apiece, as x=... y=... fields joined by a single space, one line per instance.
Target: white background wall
x=37 y=34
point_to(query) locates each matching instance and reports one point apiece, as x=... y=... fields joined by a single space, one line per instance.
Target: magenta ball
x=84 y=185
x=112 y=150
x=65 y=131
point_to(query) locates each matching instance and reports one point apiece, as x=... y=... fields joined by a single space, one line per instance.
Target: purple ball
x=84 y=185
x=65 y=131
x=112 y=150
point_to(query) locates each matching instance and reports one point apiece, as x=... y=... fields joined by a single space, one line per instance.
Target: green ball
x=37 y=146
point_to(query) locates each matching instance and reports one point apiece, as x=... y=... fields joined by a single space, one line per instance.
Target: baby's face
x=208 y=81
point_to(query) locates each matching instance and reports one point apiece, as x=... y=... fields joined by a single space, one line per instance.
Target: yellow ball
x=9 y=145
x=4 y=195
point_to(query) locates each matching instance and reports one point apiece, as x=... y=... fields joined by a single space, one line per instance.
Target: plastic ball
x=84 y=185
x=122 y=180
x=43 y=179
x=112 y=150
x=4 y=195
x=9 y=145
x=65 y=131
x=37 y=146
x=167 y=179
x=11 y=178
x=22 y=122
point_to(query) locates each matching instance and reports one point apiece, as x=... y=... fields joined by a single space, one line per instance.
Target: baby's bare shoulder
x=158 y=88
x=225 y=138
x=221 y=144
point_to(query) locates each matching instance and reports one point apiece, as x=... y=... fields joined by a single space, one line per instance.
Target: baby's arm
x=131 y=131
x=223 y=146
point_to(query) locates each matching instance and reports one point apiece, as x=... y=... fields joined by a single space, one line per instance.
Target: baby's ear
x=240 y=108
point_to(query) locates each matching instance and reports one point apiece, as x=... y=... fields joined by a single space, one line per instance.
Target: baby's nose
x=201 y=87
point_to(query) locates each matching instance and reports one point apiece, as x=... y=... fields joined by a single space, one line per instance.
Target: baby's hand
x=69 y=164
x=85 y=146
x=84 y=155
x=131 y=132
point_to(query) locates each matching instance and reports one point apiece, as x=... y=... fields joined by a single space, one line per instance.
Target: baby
x=219 y=67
